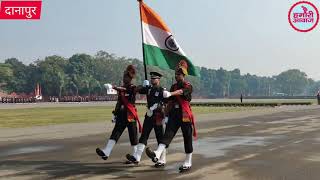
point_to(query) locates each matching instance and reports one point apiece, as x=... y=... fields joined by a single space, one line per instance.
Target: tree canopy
x=83 y=74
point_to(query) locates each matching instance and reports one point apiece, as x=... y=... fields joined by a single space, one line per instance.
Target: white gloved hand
x=155 y=106
x=107 y=86
x=149 y=113
x=146 y=83
x=113 y=120
x=166 y=94
x=165 y=120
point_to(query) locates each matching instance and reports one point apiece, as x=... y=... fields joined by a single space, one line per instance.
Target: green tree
x=52 y=75
x=6 y=74
x=223 y=82
x=19 y=81
x=292 y=82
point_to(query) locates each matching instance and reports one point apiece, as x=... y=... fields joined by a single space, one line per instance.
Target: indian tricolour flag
x=160 y=47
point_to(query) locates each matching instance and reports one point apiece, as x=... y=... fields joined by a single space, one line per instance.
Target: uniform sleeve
x=133 y=89
x=172 y=88
x=142 y=90
x=161 y=92
x=117 y=108
x=187 y=89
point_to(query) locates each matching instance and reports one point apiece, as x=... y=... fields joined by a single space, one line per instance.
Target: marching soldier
x=153 y=118
x=180 y=115
x=125 y=114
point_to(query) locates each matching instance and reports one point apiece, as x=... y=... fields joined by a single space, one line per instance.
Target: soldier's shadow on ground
x=64 y=169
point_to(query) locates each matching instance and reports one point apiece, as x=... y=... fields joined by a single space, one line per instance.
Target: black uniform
x=175 y=120
x=154 y=96
x=122 y=121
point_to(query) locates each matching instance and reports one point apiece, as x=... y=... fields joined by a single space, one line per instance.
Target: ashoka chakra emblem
x=171 y=43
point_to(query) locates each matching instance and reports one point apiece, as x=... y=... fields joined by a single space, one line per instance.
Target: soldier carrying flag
x=180 y=116
x=154 y=117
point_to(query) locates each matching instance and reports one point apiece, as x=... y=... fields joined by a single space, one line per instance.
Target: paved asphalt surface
x=283 y=145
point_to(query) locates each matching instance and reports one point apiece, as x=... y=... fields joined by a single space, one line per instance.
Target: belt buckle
x=176 y=106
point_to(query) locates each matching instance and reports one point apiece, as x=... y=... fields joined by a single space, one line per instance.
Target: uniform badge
x=156 y=94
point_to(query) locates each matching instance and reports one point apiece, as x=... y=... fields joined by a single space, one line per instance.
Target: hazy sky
x=252 y=35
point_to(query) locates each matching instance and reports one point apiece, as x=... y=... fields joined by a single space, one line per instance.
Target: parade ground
x=264 y=143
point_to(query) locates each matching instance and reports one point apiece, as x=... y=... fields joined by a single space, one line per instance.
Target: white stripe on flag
x=156 y=37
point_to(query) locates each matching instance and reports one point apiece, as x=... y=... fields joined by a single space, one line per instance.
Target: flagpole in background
x=144 y=60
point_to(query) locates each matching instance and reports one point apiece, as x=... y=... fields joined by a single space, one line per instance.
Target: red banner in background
x=26 y=10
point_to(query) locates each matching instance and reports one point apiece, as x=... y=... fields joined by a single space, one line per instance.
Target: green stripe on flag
x=166 y=59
